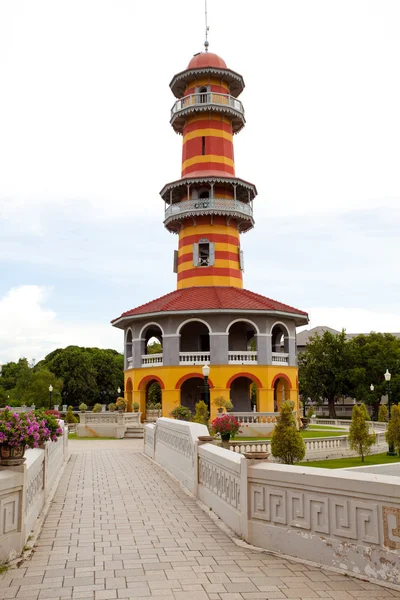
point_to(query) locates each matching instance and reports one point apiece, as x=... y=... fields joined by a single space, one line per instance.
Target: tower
x=248 y=340
x=209 y=206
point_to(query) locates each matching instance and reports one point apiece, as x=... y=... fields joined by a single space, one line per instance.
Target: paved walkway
x=119 y=527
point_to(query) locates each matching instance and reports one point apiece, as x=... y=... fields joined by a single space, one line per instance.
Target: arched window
x=203 y=253
x=203 y=95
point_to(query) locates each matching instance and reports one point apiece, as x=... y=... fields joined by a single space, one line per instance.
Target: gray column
x=292 y=352
x=171 y=350
x=137 y=348
x=219 y=348
x=262 y=350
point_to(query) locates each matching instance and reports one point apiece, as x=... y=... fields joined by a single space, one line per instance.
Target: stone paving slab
x=120 y=528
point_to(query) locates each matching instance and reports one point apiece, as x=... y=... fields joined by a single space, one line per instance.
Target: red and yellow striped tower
x=209 y=206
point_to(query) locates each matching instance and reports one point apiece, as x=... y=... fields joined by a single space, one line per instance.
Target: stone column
x=171 y=349
x=292 y=352
x=219 y=348
x=170 y=400
x=263 y=340
x=137 y=347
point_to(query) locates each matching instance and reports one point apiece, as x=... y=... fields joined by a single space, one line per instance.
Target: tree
x=360 y=440
x=393 y=431
x=154 y=393
x=324 y=369
x=287 y=443
x=37 y=392
x=154 y=348
x=370 y=356
x=383 y=414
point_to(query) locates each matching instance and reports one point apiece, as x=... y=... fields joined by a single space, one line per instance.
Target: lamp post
x=388 y=377
x=371 y=387
x=206 y=373
x=50 y=395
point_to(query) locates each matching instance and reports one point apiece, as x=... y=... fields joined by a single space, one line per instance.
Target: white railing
x=155 y=360
x=194 y=358
x=129 y=362
x=203 y=100
x=375 y=425
x=242 y=357
x=204 y=205
x=255 y=417
x=281 y=358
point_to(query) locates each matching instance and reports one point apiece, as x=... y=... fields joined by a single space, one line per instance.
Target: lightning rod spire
x=206 y=43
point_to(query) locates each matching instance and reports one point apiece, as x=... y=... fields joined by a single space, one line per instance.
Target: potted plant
x=226 y=425
x=97 y=408
x=229 y=406
x=121 y=404
x=220 y=403
x=49 y=427
x=82 y=407
x=112 y=407
x=136 y=406
x=19 y=431
x=181 y=413
x=153 y=411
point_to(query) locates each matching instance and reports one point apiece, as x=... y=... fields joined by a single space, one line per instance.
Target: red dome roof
x=207 y=59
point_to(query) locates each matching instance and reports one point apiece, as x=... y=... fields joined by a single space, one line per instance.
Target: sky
x=86 y=146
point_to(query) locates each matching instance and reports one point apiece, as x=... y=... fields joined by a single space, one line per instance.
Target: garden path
x=120 y=527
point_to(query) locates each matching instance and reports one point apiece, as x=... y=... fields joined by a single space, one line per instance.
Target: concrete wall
x=23 y=492
x=343 y=519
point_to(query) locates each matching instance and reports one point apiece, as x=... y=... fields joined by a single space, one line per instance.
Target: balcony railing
x=281 y=358
x=153 y=360
x=204 y=206
x=194 y=358
x=256 y=417
x=242 y=357
x=204 y=100
x=129 y=362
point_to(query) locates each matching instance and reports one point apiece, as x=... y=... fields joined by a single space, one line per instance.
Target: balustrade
x=154 y=360
x=256 y=417
x=201 y=100
x=204 y=205
x=242 y=357
x=194 y=358
x=281 y=358
x=129 y=361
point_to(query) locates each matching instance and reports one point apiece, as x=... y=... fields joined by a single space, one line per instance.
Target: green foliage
x=324 y=369
x=393 y=430
x=287 y=443
x=360 y=440
x=182 y=413
x=70 y=418
x=112 y=407
x=310 y=412
x=383 y=413
x=154 y=348
x=136 y=406
x=82 y=406
x=220 y=402
x=154 y=393
x=201 y=415
x=120 y=403
x=228 y=406
x=97 y=408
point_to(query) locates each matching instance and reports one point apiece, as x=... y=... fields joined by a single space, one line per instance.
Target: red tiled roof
x=210 y=298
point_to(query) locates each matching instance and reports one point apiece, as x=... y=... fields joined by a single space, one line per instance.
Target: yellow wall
x=219 y=376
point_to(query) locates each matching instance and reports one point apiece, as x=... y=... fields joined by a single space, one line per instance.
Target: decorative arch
x=129 y=330
x=282 y=324
x=129 y=385
x=253 y=378
x=148 y=325
x=243 y=320
x=148 y=378
x=190 y=376
x=191 y=320
x=281 y=376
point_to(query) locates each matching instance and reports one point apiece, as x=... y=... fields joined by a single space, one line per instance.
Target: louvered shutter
x=196 y=255
x=241 y=260
x=211 y=259
x=175 y=261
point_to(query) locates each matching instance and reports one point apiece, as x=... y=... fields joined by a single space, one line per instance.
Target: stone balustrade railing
x=194 y=358
x=242 y=357
x=256 y=417
x=375 y=425
x=23 y=492
x=346 y=520
x=107 y=424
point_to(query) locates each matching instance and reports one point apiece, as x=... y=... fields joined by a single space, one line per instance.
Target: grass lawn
x=325 y=427
x=343 y=463
x=305 y=434
x=73 y=436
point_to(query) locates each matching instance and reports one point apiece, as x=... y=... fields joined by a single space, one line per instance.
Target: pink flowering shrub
x=225 y=425
x=27 y=429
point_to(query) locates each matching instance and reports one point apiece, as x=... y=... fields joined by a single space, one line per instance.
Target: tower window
x=203 y=145
x=204 y=255
x=203 y=94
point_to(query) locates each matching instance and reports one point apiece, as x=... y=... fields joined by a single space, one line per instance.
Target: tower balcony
x=203 y=102
x=209 y=206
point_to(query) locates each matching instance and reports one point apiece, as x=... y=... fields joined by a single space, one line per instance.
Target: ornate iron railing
x=223 y=206
x=206 y=99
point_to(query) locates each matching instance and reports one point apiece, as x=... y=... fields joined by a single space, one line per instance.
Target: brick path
x=119 y=527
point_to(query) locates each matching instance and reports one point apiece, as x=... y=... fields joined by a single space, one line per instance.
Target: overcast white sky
x=86 y=145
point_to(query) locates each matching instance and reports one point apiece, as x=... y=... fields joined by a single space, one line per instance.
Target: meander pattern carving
x=391 y=527
x=221 y=482
x=349 y=518
x=35 y=483
x=101 y=419
x=178 y=441
x=9 y=513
